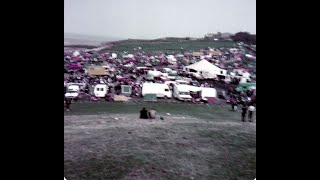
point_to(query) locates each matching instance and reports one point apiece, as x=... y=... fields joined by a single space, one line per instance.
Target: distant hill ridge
x=80 y=39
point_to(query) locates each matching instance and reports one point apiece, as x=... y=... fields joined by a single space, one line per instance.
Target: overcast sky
x=158 y=18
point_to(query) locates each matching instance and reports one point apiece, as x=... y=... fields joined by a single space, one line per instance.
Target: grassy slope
x=167 y=46
x=199 y=110
x=204 y=148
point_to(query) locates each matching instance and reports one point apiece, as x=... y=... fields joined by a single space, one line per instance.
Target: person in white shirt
x=251 y=110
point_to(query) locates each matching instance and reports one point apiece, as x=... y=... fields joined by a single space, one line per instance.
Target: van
x=161 y=90
x=100 y=90
x=82 y=86
x=182 y=91
x=208 y=92
x=72 y=91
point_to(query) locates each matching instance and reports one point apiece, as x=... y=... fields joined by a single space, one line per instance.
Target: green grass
x=102 y=168
x=197 y=110
x=167 y=46
x=210 y=143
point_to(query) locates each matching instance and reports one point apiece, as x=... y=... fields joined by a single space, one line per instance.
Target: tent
x=74 y=66
x=150 y=97
x=96 y=71
x=120 y=98
x=76 y=53
x=205 y=66
x=197 y=54
x=215 y=53
x=114 y=55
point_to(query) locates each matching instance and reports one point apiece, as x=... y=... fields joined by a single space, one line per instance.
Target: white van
x=161 y=90
x=72 y=91
x=182 y=91
x=208 y=92
x=100 y=90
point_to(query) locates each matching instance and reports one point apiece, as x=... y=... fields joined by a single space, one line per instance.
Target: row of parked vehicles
x=72 y=90
x=177 y=89
x=164 y=84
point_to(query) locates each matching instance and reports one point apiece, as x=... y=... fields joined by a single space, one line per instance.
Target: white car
x=72 y=91
x=72 y=94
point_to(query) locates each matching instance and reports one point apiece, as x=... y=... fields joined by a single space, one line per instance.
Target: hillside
x=165 y=45
x=80 y=39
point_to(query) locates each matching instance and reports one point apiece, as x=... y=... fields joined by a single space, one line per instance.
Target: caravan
x=182 y=91
x=161 y=90
x=100 y=90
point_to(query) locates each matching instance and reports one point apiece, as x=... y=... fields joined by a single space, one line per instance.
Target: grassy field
x=109 y=141
x=167 y=46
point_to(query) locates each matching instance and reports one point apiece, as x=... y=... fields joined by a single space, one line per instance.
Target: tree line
x=244 y=37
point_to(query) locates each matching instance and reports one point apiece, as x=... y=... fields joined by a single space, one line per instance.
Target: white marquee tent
x=204 y=66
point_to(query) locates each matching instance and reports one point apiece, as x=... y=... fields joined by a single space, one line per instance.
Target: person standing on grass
x=68 y=104
x=244 y=112
x=233 y=102
x=251 y=110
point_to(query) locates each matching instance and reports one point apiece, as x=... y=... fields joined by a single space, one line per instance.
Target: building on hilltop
x=219 y=36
